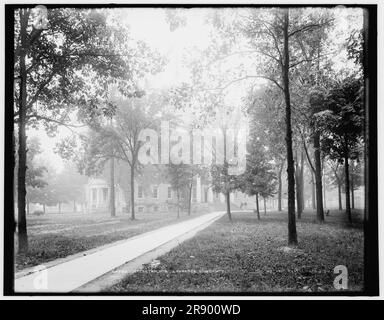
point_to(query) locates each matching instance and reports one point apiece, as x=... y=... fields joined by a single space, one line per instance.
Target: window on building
x=169 y=193
x=105 y=194
x=140 y=209
x=155 y=209
x=155 y=192
x=194 y=193
x=140 y=193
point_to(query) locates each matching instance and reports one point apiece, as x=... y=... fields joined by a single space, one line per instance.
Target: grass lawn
x=248 y=255
x=54 y=236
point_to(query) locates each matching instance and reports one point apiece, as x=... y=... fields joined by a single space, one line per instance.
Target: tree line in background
x=307 y=116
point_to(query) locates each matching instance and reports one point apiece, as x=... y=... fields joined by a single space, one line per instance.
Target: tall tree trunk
x=74 y=206
x=339 y=194
x=302 y=180
x=324 y=196
x=132 y=192
x=112 y=206
x=44 y=208
x=226 y=191
x=22 y=152
x=313 y=192
x=292 y=234
x=228 y=203
x=352 y=189
x=257 y=206
x=347 y=191
x=318 y=173
x=298 y=200
x=323 y=184
x=265 y=207
x=298 y=180
x=279 y=194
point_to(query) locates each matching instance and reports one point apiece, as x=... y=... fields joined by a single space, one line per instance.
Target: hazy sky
x=150 y=25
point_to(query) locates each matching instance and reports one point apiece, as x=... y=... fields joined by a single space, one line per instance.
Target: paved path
x=70 y=275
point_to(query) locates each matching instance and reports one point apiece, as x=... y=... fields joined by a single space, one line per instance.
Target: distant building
x=97 y=196
x=158 y=196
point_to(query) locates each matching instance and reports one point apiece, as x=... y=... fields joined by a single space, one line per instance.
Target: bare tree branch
x=305 y=28
x=66 y=125
x=249 y=77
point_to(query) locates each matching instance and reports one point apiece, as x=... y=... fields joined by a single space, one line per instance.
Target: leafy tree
x=356 y=179
x=179 y=176
x=34 y=195
x=279 y=36
x=35 y=174
x=338 y=179
x=194 y=171
x=123 y=133
x=271 y=34
x=45 y=196
x=209 y=109
x=70 y=185
x=259 y=177
x=343 y=125
x=97 y=150
x=54 y=62
x=66 y=186
x=355 y=47
x=223 y=182
x=315 y=76
x=264 y=108
x=317 y=106
x=209 y=106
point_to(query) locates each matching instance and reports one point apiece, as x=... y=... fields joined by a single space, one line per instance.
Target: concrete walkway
x=70 y=275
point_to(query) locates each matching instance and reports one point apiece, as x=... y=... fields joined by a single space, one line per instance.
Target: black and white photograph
x=191 y=149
